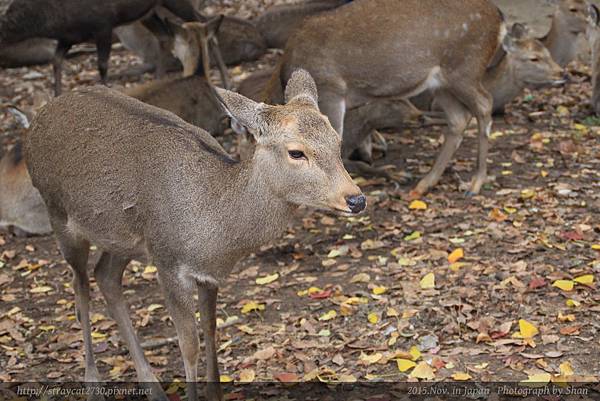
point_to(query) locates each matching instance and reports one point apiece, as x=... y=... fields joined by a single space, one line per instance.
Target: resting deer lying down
x=140 y=183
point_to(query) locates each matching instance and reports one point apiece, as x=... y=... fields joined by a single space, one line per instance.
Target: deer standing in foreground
x=142 y=184
x=593 y=37
x=362 y=60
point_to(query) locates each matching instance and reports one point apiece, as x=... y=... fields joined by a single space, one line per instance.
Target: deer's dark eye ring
x=297 y=154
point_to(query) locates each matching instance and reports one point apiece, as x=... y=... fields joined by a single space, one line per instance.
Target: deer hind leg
x=333 y=105
x=75 y=250
x=207 y=297
x=61 y=51
x=480 y=103
x=109 y=272
x=458 y=117
x=103 y=47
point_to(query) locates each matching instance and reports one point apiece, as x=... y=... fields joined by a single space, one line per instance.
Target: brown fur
x=568 y=22
x=278 y=22
x=593 y=36
x=21 y=205
x=190 y=98
x=141 y=183
x=450 y=43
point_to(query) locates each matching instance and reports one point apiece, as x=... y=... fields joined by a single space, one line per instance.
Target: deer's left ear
x=301 y=87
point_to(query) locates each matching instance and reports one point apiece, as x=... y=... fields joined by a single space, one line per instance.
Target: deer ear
x=519 y=31
x=245 y=114
x=301 y=87
x=594 y=14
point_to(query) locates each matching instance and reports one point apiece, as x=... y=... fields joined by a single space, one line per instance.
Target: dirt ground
x=342 y=299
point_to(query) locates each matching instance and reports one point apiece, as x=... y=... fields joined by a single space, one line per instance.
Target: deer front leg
x=207 y=297
x=109 y=273
x=179 y=287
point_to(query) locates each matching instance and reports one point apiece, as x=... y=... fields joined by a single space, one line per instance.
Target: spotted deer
x=142 y=184
x=362 y=61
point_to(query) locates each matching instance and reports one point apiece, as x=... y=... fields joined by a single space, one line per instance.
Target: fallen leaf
x=252 y=306
x=527 y=329
x=456 y=255
x=587 y=279
x=461 y=376
x=373 y=318
x=247 y=376
x=428 y=281
x=423 y=371
x=328 y=316
x=417 y=205
x=267 y=279
x=565 y=285
x=405 y=364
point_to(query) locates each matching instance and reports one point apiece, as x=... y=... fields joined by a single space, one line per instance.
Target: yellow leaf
x=379 y=290
x=414 y=352
x=373 y=318
x=225 y=379
x=413 y=236
x=538 y=379
x=251 y=306
x=572 y=303
x=459 y=376
x=360 y=278
x=246 y=329
x=428 y=281
x=423 y=371
x=565 y=285
x=47 y=328
x=97 y=334
x=154 y=307
x=527 y=329
x=247 y=375
x=596 y=247
x=41 y=289
x=370 y=359
x=149 y=269
x=391 y=312
x=405 y=364
x=417 y=205
x=267 y=279
x=328 y=316
x=456 y=255
x=587 y=279
x=566 y=369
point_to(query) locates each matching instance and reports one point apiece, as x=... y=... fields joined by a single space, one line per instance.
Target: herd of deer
x=138 y=174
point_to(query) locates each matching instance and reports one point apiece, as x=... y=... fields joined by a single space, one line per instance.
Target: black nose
x=356 y=203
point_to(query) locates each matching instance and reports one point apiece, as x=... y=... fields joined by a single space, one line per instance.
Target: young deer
x=568 y=22
x=361 y=61
x=593 y=36
x=141 y=183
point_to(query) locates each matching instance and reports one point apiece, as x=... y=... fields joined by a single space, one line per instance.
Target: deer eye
x=297 y=154
x=534 y=59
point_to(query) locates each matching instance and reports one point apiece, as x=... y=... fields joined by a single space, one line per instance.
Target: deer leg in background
x=216 y=51
x=103 y=46
x=61 y=50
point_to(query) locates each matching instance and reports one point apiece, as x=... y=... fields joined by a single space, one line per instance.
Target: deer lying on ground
x=278 y=22
x=176 y=199
x=361 y=61
x=21 y=207
x=568 y=22
x=75 y=21
x=191 y=97
x=593 y=37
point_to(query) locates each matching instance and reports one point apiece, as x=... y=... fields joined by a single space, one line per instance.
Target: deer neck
x=502 y=83
x=561 y=41
x=249 y=204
